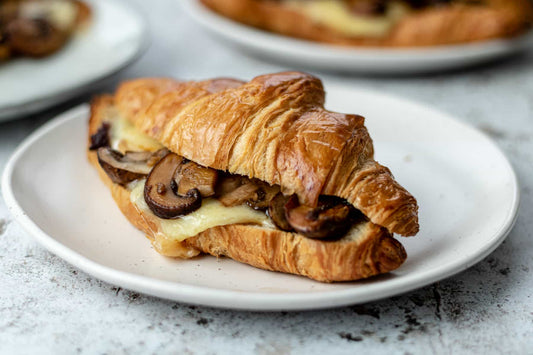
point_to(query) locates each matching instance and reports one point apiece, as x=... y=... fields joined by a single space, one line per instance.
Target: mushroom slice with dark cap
x=190 y=175
x=124 y=168
x=161 y=191
x=331 y=218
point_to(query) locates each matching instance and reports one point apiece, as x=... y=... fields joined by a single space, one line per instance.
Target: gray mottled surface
x=47 y=306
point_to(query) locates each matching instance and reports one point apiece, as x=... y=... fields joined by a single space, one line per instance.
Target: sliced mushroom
x=124 y=168
x=276 y=211
x=190 y=175
x=228 y=183
x=34 y=37
x=239 y=195
x=263 y=195
x=161 y=191
x=331 y=218
x=236 y=190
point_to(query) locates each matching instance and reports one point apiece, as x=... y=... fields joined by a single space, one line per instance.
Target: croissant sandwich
x=392 y=23
x=257 y=171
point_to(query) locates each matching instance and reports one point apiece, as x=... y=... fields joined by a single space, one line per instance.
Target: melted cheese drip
x=212 y=213
x=124 y=136
x=337 y=15
x=61 y=13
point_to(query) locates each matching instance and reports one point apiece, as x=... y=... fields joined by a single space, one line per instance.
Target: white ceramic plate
x=357 y=60
x=116 y=36
x=466 y=189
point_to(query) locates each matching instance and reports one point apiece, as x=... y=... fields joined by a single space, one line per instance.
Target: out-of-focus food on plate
x=38 y=28
x=395 y=23
x=257 y=171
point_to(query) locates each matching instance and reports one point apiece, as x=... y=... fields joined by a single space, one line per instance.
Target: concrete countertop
x=48 y=306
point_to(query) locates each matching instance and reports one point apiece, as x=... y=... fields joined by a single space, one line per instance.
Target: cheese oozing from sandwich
x=212 y=213
x=337 y=16
x=124 y=136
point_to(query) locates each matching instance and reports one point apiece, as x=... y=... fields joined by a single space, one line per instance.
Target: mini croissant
x=254 y=144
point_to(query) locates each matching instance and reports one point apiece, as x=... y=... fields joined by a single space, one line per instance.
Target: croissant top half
x=273 y=128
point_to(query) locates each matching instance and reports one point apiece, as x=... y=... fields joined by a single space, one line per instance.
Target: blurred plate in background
x=116 y=36
x=367 y=60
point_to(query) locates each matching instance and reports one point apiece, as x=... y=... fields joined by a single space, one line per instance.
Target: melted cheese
x=337 y=15
x=212 y=213
x=124 y=136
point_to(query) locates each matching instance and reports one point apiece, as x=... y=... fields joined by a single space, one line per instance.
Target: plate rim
x=294 y=47
x=15 y=110
x=245 y=300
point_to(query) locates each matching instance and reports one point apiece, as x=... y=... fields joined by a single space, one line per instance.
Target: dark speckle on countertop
x=350 y=336
x=3 y=225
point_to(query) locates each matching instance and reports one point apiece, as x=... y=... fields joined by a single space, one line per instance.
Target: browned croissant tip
x=408 y=225
x=390 y=254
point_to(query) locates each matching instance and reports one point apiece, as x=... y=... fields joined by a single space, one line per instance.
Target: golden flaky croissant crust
x=273 y=128
x=367 y=251
x=454 y=23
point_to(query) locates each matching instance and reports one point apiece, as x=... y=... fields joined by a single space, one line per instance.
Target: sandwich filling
x=187 y=198
x=352 y=19
x=363 y=18
x=212 y=213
